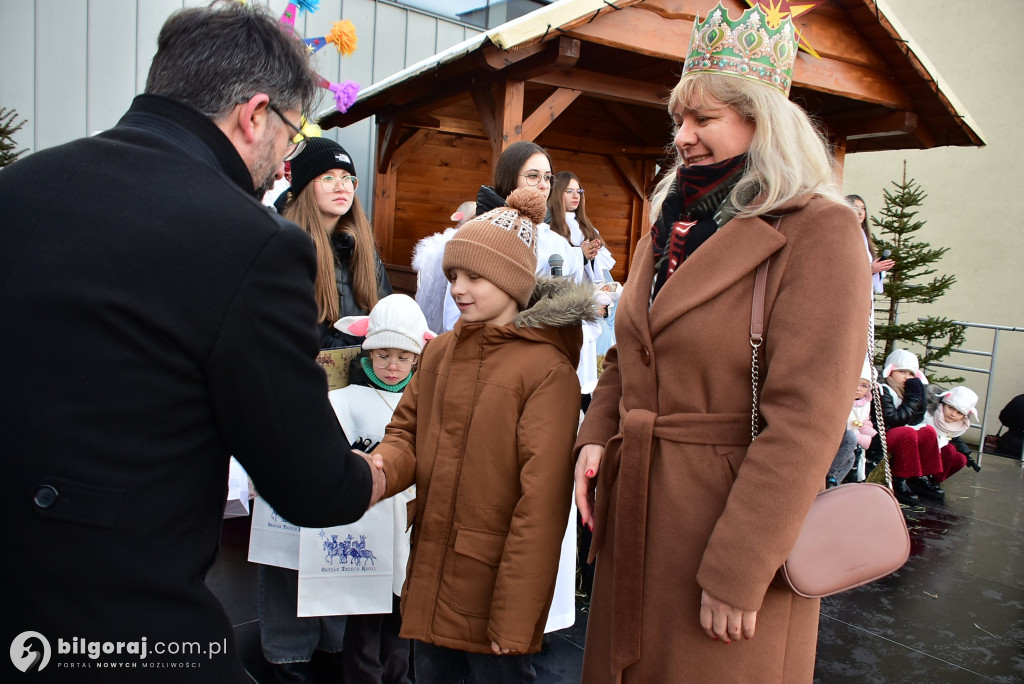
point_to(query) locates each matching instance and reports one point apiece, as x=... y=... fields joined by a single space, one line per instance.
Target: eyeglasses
x=384 y=361
x=298 y=141
x=533 y=178
x=578 y=193
x=336 y=183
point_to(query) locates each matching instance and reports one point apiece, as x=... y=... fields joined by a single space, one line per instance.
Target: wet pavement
x=954 y=613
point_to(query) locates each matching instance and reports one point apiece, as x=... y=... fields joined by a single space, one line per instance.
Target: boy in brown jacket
x=485 y=430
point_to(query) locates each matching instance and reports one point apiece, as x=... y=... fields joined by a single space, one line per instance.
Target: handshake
x=380 y=483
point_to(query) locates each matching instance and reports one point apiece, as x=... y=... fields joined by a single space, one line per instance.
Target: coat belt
x=640 y=428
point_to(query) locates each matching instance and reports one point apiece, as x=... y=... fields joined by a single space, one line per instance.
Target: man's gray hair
x=214 y=58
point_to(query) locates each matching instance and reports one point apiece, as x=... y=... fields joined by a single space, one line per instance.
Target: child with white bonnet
x=395 y=334
x=913 y=444
x=951 y=419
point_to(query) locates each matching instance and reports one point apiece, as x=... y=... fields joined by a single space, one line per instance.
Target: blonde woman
x=694 y=519
x=350 y=277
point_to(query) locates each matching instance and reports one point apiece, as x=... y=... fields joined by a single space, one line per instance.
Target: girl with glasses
x=350 y=280
x=322 y=201
x=568 y=212
x=395 y=334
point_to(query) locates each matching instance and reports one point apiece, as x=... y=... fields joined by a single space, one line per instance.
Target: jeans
x=439 y=665
x=844 y=458
x=284 y=637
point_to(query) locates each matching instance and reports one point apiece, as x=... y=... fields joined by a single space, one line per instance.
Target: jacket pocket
x=78 y=502
x=477 y=557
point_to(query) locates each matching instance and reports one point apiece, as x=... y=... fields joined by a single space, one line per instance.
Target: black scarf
x=691 y=213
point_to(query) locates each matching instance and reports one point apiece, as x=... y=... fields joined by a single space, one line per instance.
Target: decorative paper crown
x=343 y=35
x=760 y=46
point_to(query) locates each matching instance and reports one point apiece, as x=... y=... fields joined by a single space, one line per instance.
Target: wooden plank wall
x=449 y=169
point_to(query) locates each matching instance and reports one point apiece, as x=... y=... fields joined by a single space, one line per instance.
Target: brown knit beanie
x=501 y=245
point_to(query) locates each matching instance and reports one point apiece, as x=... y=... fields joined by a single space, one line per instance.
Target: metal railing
x=990 y=371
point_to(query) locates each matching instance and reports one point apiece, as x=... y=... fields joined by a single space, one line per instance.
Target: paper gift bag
x=347 y=570
x=272 y=539
x=238 y=491
x=335 y=363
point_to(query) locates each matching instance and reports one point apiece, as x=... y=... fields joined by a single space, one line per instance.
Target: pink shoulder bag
x=831 y=555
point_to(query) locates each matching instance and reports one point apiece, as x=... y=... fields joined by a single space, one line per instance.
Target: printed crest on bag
x=348 y=551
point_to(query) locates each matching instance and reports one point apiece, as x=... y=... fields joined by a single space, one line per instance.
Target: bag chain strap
x=757 y=339
x=876 y=397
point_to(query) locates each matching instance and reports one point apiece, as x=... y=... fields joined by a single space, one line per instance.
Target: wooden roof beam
x=877 y=126
x=547 y=112
x=606 y=86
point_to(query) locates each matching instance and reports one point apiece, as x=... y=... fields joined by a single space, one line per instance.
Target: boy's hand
x=380 y=482
x=498 y=650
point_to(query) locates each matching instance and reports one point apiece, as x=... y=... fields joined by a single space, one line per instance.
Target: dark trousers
x=373 y=652
x=439 y=665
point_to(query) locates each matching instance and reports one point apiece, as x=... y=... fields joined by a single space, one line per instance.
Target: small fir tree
x=908 y=282
x=8 y=127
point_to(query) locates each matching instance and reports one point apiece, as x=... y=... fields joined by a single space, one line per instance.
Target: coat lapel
x=637 y=291
x=732 y=253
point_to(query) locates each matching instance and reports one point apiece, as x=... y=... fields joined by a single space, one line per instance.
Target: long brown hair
x=304 y=211
x=556 y=208
x=864 y=224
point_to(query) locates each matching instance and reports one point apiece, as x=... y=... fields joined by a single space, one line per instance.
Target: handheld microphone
x=555 y=264
x=886 y=253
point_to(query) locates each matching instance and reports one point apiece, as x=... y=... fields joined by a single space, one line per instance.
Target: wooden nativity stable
x=589 y=80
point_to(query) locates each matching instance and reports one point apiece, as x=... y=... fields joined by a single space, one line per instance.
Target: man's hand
x=380 y=482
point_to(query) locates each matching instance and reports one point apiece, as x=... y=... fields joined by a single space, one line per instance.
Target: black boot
x=924 y=486
x=903 y=493
x=293 y=673
x=974 y=464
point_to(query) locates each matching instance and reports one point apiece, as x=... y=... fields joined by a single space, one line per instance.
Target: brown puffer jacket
x=485 y=430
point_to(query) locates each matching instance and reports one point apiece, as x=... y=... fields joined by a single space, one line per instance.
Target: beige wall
x=975 y=203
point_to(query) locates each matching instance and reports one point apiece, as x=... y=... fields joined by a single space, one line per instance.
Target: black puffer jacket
x=343 y=244
x=911 y=411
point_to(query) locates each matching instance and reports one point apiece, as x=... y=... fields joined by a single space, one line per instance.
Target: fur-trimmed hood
x=558 y=303
x=558 y=308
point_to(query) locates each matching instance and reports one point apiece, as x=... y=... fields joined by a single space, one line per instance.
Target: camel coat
x=684 y=501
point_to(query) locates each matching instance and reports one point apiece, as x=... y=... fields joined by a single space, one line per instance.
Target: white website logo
x=30 y=651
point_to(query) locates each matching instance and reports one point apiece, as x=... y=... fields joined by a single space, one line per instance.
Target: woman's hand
x=590 y=248
x=722 y=622
x=587 y=465
x=879 y=265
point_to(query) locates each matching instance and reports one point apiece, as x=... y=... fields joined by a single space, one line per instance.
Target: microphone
x=886 y=253
x=555 y=264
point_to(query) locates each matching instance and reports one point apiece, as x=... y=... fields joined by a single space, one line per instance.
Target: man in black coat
x=156 y=319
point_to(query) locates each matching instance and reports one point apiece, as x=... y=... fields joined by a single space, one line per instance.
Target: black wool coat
x=156 y=320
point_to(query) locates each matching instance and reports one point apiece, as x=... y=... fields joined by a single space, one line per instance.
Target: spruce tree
x=910 y=281
x=8 y=127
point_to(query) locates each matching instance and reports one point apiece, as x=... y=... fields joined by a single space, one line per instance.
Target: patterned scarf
x=693 y=210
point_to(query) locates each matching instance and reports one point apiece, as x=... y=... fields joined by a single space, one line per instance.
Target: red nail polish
x=590 y=473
